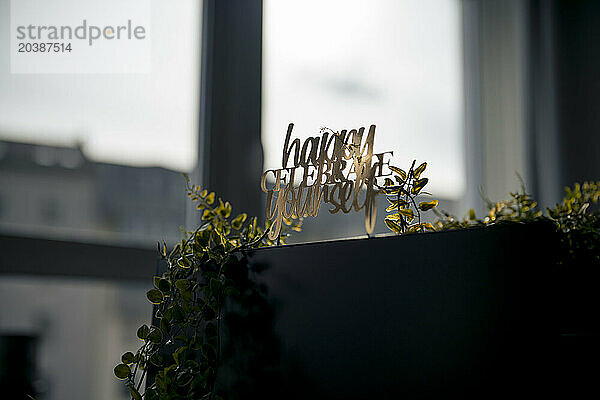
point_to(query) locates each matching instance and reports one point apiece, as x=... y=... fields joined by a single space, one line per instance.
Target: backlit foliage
x=576 y=219
x=184 y=348
x=520 y=207
x=405 y=214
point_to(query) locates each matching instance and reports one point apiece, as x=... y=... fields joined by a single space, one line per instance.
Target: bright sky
x=351 y=63
x=136 y=119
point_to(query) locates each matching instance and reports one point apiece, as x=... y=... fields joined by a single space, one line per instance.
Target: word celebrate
x=338 y=168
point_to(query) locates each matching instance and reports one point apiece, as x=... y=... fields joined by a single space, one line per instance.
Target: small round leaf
x=155 y=336
x=122 y=371
x=164 y=285
x=155 y=296
x=127 y=358
x=143 y=332
x=428 y=205
x=183 y=284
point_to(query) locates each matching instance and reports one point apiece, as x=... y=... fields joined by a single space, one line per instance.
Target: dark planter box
x=467 y=314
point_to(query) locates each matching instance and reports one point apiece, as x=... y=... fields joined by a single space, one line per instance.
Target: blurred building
x=81 y=326
x=57 y=191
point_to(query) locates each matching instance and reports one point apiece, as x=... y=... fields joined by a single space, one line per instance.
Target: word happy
x=336 y=168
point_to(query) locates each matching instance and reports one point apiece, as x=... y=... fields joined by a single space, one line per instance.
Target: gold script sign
x=333 y=168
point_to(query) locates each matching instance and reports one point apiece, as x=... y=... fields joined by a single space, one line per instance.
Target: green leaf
x=155 y=296
x=122 y=371
x=428 y=205
x=418 y=185
x=177 y=355
x=421 y=226
x=127 y=358
x=187 y=296
x=208 y=215
x=164 y=285
x=238 y=221
x=220 y=208
x=394 y=204
x=428 y=226
x=177 y=313
x=155 y=336
x=392 y=207
x=157 y=359
x=184 y=378
x=210 y=198
x=183 y=284
x=135 y=395
x=182 y=338
x=227 y=212
x=143 y=332
x=419 y=170
x=413 y=228
x=184 y=262
x=393 y=226
x=472 y=216
x=403 y=212
x=399 y=171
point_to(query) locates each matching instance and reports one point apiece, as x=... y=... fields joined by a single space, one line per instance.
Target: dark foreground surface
x=454 y=314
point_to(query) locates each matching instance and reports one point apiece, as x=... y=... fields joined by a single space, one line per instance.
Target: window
x=97 y=135
x=81 y=328
x=347 y=64
x=81 y=157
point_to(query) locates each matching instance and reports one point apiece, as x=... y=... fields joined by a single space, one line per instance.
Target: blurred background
x=90 y=164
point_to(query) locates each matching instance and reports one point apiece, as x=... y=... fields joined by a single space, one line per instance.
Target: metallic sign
x=338 y=168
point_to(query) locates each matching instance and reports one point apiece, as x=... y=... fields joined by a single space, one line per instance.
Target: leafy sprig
x=578 y=220
x=402 y=195
x=189 y=297
x=520 y=207
x=575 y=218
